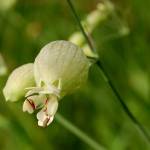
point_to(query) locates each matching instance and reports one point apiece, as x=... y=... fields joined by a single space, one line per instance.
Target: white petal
x=40 y=123
x=27 y=107
x=50 y=89
x=33 y=90
x=52 y=106
x=53 y=88
x=46 y=122
x=41 y=115
x=50 y=92
x=39 y=100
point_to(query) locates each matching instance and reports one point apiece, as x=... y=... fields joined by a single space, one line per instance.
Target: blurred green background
x=27 y=25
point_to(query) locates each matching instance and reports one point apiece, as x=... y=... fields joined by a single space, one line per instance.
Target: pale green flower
x=61 y=64
x=59 y=69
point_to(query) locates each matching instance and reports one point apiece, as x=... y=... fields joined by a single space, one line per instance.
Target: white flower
x=61 y=64
x=60 y=68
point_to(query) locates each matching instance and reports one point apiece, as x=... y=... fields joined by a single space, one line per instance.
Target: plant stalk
x=80 y=134
x=108 y=80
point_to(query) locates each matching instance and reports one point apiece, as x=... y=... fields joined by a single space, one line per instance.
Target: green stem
x=106 y=76
x=80 y=134
x=80 y=25
x=124 y=106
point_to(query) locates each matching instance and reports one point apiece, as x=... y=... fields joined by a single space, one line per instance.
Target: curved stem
x=124 y=106
x=80 y=134
x=80 y=25
x=108 y=80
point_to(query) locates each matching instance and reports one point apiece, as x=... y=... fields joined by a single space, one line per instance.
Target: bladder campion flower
x=60 y=66
x=59 y=69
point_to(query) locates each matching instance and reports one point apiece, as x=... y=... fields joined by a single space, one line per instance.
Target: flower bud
x=61 y=64
x=21 y=78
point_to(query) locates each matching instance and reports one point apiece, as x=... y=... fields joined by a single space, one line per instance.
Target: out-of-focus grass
x=28 y=25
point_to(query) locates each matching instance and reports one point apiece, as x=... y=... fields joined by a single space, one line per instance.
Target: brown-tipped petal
x=44 y=119
x=28 y=106
x=47 y=121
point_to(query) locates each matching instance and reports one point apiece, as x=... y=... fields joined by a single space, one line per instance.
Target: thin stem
x=80 y=25
x=80 y=134
x=108 y=80
x=124 y=106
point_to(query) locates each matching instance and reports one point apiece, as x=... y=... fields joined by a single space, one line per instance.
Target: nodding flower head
x=60 y=68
